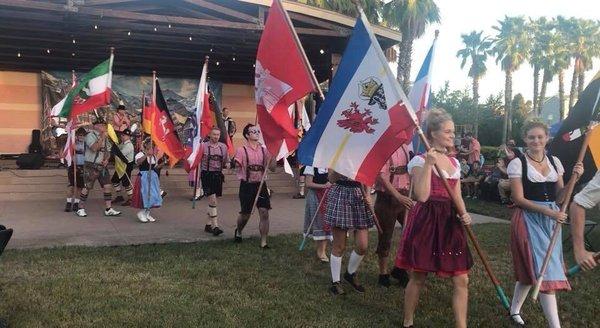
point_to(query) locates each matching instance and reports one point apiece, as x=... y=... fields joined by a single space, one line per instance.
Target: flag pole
x=151 y=143
x=304 y=57
x=198 y=131
x=305 y=233
x=568 y=191
x=74 y=144
x=195 y=188
x=262 y=182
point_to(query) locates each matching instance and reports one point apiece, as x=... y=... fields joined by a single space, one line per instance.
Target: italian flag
x=92 y=91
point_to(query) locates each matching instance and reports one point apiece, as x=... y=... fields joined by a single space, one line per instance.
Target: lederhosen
x=248 y=190
x=389 y=210
x=94 y=171
x=78 y=169
x=212 y=181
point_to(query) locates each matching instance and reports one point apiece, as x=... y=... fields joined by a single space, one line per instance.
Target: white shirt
x=515 y=170
x=309 y=170
x=151 y=159
x=419 y=161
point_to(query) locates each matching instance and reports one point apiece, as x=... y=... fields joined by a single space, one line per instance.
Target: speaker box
x=30 y=161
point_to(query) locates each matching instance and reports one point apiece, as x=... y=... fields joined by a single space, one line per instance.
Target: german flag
x=569 y=138
x=163 y=131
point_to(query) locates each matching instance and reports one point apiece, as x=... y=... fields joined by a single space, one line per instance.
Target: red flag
x=282 y=77
x=203 y=122
x=163 y=133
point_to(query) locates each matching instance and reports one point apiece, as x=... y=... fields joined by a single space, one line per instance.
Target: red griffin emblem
x=357 y=121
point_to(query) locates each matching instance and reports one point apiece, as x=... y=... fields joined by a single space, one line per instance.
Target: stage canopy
x=169 y=36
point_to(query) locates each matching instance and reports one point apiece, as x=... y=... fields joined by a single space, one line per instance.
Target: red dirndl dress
x=434 y=239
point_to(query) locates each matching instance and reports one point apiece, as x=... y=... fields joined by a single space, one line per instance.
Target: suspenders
x=254 y=167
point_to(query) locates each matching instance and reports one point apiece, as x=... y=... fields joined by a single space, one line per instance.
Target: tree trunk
x=543 y=89
x=573 y=87
x=561 y=94
x=476 y=103
x=536 y=84
x=405 y=46
x=580 y=83
x=507 y=103
x=406 y=66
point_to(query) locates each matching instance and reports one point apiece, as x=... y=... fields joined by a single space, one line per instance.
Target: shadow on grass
x=222 y=284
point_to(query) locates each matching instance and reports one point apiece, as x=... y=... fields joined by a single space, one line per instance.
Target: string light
x=169 y=25
x=74 y=41
x=233 y=58
x=128 y=32
x=211 y=49
x=47 y=51
x=72 y=54
x=18 y=54
x=322 y=51
x=155 y=29
x=190 y=38
x=217 y=63
x=95 y=27
x=254 y=65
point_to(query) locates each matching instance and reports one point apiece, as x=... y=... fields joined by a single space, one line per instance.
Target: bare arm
x=387 y=185
x=310 y=184
x=584 y=258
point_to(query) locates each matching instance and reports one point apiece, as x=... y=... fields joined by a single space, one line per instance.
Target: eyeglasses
x=253 y=131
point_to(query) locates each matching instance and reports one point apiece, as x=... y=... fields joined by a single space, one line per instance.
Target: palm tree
x=411 y=17
x=511 y=46
x=562 y=60
x=583 y=39
x=535 y=57
x=477 y=49
x=548 y=41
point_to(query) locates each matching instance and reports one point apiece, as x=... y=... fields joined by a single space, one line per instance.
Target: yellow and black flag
x=569 y=138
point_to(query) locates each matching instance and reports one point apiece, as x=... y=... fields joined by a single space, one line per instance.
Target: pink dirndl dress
x=434 y=239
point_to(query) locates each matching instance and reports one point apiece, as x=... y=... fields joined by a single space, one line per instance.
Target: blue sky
x=463 y=16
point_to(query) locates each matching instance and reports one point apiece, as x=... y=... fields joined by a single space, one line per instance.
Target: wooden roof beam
x=224 y=10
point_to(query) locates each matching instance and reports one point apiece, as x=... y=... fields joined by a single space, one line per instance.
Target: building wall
x=21 y=107
x=239 y=98
x=20 y=110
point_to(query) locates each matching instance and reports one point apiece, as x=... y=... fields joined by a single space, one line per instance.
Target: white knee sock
x=548 y=302
x=518 y=299
x=69 y=200
x=336 y=267
x=354 y=262
x=76 y=200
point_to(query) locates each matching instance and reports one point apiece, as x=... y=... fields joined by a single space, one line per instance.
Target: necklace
x=444 y=151
x=535 y=160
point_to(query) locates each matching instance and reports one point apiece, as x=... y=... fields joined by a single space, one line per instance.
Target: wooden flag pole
x=468 y=229
x=568 y=191
x=195 y=187
x=305 y=233
x=151 y=143
x=262 y=182
x=74 y=136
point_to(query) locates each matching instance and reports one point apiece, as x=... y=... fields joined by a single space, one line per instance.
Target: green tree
x=411 y=17
x=562 y=60
x=536 y=53
x=476 y=50
x=511 y=46
x=584 y=41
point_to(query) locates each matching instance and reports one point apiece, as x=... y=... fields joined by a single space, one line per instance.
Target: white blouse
x=309 y=170
x=515 y=170
x=419 y=161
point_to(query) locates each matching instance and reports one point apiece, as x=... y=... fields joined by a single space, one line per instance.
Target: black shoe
x=217 y=231
x=75 y=207
x=515 y=322
x=384 y=280
x=163 y=194
x=237 y=236
x=401 y=276
x=298 y=196
x=208 y=228
x=118 y=199
x=336 y=289
x=68 y=207
x=265 y=246
x=197 y=198
x=351 y=279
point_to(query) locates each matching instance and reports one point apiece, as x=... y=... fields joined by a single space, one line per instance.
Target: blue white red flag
x=420 y=91
x=365 y=116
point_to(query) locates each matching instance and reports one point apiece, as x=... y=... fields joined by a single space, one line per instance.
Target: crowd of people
x=433 y=239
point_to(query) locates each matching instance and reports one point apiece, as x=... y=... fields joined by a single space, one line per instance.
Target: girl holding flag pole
x=433 y=240
x=146 y=190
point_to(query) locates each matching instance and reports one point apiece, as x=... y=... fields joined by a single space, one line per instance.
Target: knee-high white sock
x=548 y=302
x=354 y=262
x=519 y=296
x=335 y=263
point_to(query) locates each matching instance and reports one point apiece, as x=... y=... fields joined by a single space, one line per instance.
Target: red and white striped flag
x=203 y=119
x=66 y=156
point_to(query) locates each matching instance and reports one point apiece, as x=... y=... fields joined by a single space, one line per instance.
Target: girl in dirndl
x=434 y=240
x=317 y=184
x=536 y=181
x=146 y=190
x=347 y=209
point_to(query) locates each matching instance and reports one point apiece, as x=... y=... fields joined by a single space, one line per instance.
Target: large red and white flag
x=282 y=77
x=203 y=121
x=66 y=157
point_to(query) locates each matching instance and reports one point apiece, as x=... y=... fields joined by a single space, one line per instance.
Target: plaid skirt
x=346 y=208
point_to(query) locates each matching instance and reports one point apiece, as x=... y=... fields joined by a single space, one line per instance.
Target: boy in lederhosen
x=252 y=160
x=214 y=159
x=76 y=182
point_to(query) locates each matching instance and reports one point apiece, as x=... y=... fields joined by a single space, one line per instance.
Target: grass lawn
x=222 y=284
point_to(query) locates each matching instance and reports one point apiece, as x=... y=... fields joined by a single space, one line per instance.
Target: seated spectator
x=509 y=151
x=473 y=179
x=464 y=168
